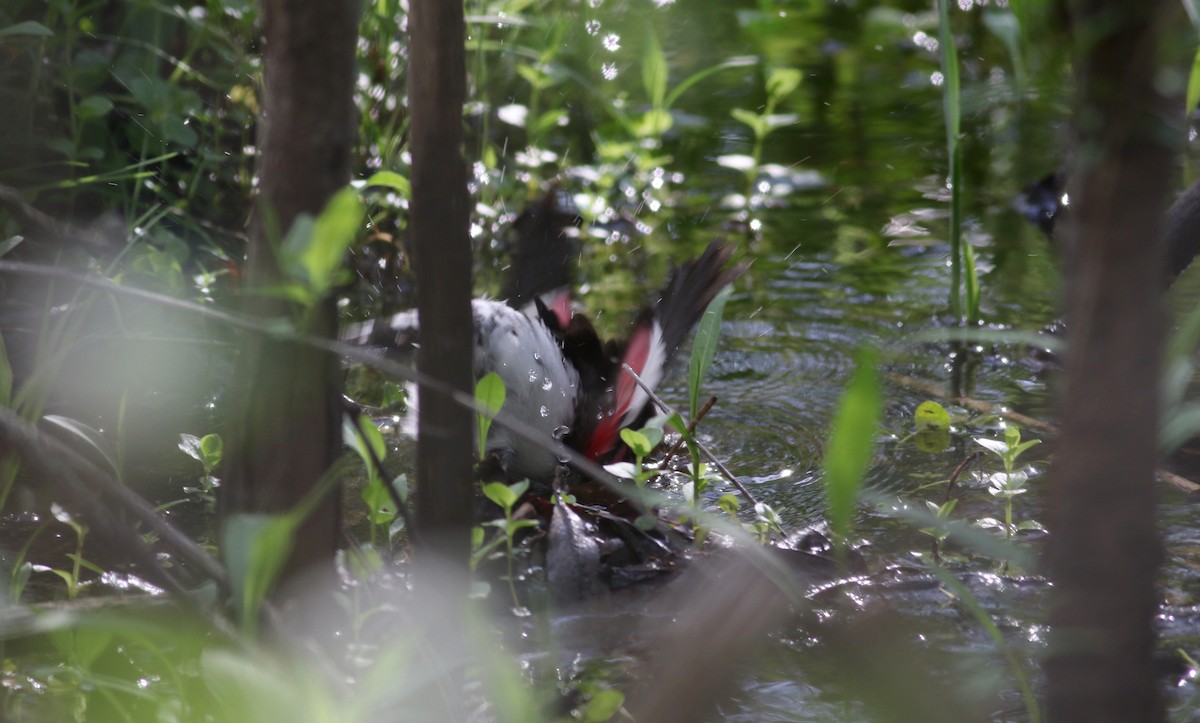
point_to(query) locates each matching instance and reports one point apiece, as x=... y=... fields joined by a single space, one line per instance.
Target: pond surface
x=848 y=240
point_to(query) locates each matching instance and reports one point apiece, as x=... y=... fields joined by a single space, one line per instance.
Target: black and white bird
x=560 y=378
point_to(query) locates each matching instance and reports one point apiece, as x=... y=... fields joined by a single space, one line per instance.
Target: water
x=849 y=250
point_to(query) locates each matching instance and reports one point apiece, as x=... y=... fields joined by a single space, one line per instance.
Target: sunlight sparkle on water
x=924 y=40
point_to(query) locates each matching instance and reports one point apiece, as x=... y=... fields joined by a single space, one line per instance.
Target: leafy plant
x=71 y=575
x=781 y=82
x=208 y=451
x=506 y=498
x=642 y=443
x=364 y=438
x=963 y=279
x=1011 y=483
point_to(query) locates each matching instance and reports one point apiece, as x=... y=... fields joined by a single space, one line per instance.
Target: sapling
x=506 y=498
x=1012 y=483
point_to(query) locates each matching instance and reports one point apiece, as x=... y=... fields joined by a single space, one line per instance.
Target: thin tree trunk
x=287 y=431
x=1104 y=548
x=442 y=262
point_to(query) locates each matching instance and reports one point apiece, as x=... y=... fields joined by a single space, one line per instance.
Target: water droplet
x=537 y=356
x=544 y=411
x=612 y=42
x=592 y=27
x=609 y=71
x=547 y=385
x=532 y=377
x=560 y=431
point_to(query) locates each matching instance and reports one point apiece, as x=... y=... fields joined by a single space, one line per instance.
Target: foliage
x=506 y=498
x=850 y=447
x=963 y=280
x=489 y=395
x=1012 y=482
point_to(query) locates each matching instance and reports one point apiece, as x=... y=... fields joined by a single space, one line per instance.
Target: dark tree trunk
x=287 y=430
x=442 y=262
x=1104 y=548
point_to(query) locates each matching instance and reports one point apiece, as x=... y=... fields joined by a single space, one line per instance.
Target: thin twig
x=691 y=429
x=962 y=466
x=711 y=457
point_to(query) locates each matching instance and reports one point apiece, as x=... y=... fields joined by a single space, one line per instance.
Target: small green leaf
x=212 y=449
x=366 y=440
x=392 y=180
x=489 y=394
x=313 y=249
x=30 y=28
x=94 y=106
x=504 y=496
x=704 y=347
x=637 y=442
x=931 y=416
x=751 y=119
x=729 y=503
x=255 y=548
x=380 y=509
x=603 y=705
x=781 y=82
x=993 y=445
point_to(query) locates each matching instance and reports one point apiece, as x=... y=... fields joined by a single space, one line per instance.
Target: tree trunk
x=442 y=264
x=287 y=430
x=1104 y=548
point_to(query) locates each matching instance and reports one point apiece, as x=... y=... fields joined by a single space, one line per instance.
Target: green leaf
x=931 y=416
x=751 y=119
x=994 y=446
x=489 y=394
x=637 y=442
x=94 y=106
x=603 y=705
x=380 y=509
x=212 y=449
x=654 y=70
x=502 y=494
x=852 y=443
x=704 y=347
x=29 y=28
x=366 y=440
x=392 y=180
x=313 y=249
x=653 y=123
x=781 y=82
x=255 y=548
